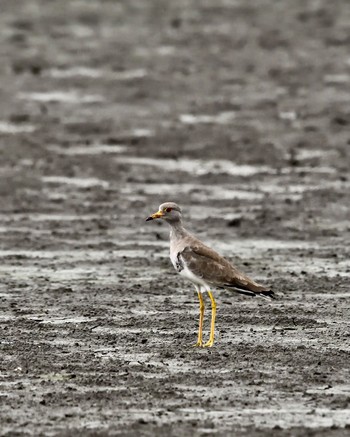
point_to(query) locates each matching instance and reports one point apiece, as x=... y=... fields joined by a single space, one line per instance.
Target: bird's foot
x=209 y=343
x=198 y=344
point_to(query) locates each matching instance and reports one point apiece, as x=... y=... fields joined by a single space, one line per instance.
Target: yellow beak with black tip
x=156 y=215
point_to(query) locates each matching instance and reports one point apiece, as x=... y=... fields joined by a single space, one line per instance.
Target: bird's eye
x=168 y=209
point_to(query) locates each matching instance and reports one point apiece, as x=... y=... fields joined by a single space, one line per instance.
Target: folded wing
x=217 y=271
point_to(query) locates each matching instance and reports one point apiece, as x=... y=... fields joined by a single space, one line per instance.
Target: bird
x=204 y=267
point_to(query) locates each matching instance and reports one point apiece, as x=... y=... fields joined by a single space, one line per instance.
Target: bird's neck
x=177 y=230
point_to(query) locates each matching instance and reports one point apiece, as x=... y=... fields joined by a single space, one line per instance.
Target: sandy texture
x=240 y=112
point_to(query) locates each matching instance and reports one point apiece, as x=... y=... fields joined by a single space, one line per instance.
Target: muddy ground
x=239 y=111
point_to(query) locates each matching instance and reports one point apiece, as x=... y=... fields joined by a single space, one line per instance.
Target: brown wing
x=216 y=270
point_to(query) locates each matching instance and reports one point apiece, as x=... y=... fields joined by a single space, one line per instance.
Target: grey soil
x=240 y=112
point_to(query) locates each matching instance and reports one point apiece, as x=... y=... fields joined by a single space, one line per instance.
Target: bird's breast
x=177 y=261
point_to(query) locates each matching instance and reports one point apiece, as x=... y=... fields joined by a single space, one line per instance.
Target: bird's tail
x=267 y=294
x=257 y=291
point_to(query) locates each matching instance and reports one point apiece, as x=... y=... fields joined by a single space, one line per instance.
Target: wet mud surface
x=238 y=111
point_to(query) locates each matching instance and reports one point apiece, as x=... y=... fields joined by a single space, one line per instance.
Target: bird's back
x=210 y=266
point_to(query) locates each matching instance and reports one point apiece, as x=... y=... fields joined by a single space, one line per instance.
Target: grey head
x=168 y=211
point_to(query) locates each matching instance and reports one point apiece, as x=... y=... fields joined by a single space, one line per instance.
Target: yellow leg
x=201 y=318
x=212 y=326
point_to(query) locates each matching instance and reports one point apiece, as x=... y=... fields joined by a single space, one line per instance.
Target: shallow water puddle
x=197 y=166
x=139 y=73
x=221 y=118
x=164 y=50
x=304 y=154
x=79 y=30
x=139 y=243
x=201 y=212
x=72 y=96
x=78 y=182
x=288 y=115
x=220 y=192
x=73 y=254
x=60 y=73
x=61 y=275
x=199 y=192
x=142 y=133
x=336 y=78
x=80 y=254
x=14 y=128
x=201 y=167
x=257 y=247
x=64 y=320
x=6 y=317
x=97 y=149
x=96 y=73
x=333 y=295
x=33 y=217
x=276 y=187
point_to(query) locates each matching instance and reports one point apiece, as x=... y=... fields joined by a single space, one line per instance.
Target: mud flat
x=240 y=112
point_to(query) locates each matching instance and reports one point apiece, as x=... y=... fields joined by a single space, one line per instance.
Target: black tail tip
x=269 y=293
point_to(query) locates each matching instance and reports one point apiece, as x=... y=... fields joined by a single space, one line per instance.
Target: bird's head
x=169 y=211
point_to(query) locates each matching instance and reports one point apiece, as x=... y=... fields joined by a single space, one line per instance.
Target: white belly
x=186 y=273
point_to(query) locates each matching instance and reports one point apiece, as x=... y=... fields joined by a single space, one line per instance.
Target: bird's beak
x=154 y=216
